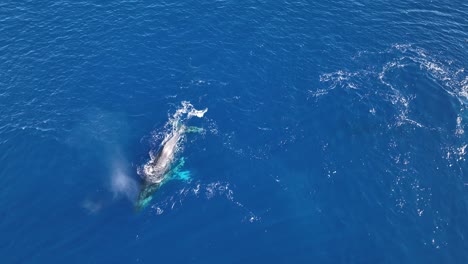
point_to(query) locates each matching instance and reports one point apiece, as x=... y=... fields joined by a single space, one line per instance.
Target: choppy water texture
x=336 y=131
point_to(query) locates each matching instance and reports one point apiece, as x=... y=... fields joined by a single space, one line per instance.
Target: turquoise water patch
x=177 y=174
x=182 y=175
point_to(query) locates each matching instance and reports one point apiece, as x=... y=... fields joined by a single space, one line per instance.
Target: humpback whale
x=160 y=166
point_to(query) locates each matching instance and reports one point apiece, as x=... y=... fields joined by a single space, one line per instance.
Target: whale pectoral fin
x=177 y=174
x=179 y=165
x=194 y=129
x=145 y=196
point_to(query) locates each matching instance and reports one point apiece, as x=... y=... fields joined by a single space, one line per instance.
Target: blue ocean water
x=335 y=131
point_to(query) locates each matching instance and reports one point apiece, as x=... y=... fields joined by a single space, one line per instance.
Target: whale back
x=155 y=170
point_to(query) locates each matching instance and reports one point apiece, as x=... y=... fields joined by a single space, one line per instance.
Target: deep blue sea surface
x=335 y=131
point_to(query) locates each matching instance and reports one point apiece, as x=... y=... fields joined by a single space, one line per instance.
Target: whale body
x=160 y=166
x=157 y=170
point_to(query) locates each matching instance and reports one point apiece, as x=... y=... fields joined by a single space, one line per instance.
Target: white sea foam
x=410 y=190
x=207 y=191
x=188 y=110
x=454 y=81
x=197 y=113
x=459 y=130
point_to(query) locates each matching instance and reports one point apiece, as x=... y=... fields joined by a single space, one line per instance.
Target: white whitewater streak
x=181 y=115
x=464 y=87
x=189 y=110
x=402 y=55
x=198 y=113
x=455 y=81
x=459 y=130
x=177 y=121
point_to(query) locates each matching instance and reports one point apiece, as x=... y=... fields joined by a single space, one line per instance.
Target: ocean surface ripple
x=336 y=131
